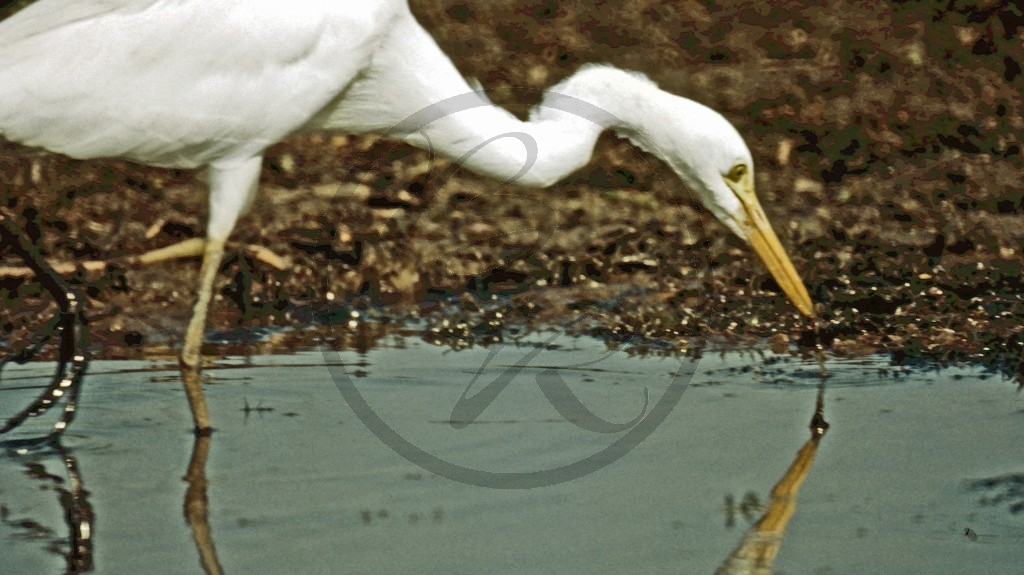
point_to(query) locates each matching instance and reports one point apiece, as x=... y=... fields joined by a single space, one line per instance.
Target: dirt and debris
x=887 y=138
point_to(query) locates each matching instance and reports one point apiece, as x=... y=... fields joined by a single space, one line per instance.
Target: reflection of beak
x=766 y=245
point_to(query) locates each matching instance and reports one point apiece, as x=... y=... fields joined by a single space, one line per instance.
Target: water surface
x=297 y=483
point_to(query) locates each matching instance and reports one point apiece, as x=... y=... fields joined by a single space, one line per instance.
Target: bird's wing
x=177 y=82
x=45 y=16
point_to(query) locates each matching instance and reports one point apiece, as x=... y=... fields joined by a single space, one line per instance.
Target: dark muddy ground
x=887 y=138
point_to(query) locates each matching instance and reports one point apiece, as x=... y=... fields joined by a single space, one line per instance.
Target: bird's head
x=709 y=155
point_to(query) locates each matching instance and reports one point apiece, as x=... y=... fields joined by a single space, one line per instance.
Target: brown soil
x=888 y=143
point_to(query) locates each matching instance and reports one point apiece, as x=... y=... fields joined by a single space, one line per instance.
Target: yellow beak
x=766 y=245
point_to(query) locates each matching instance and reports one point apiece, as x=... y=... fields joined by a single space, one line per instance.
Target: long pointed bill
x=767 y=247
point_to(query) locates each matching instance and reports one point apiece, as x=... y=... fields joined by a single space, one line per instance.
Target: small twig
x=261 y=253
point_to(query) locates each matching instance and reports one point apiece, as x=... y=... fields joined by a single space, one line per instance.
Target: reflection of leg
x=197 y=506
x=69 y=325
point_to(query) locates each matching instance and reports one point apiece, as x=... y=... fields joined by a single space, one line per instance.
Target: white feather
x=188 y=83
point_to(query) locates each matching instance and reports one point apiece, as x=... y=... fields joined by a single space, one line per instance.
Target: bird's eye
x=737 y=172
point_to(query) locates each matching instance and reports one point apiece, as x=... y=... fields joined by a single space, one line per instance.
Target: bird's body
x=178 y=83
x=203 y=83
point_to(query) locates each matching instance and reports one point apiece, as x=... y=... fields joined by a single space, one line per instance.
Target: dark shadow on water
x=79 y=518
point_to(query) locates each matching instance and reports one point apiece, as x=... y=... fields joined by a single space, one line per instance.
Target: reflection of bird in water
x=756 y=551
x=194 y=84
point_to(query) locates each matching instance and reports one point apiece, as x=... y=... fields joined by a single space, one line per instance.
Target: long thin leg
x=212 y=257
x=191 y=362
x=232 y=188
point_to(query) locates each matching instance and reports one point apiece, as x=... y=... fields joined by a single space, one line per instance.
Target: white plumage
x=213 y=83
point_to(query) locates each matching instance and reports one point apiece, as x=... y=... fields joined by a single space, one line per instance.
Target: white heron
x=212 y=83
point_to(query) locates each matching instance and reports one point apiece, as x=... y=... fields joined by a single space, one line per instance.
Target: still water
x=920 y=471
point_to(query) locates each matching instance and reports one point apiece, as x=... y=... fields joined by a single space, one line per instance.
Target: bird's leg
x=69 y=324
x=212 y=256
x=232 y=187
x=190 y=356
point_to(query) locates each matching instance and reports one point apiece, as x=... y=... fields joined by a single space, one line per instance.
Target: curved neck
x=413 y=92
x=557 y=140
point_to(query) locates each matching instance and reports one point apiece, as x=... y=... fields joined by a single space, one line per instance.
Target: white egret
x=213 y=83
